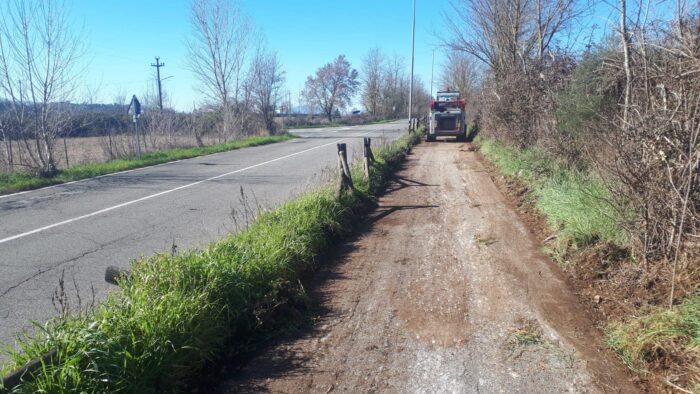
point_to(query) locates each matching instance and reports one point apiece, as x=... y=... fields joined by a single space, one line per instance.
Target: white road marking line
x=124 y=204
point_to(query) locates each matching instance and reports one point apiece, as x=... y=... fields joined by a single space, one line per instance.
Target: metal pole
x=413 y=43
x=432 y=75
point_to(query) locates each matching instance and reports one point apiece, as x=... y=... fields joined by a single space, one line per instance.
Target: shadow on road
x=270 y=355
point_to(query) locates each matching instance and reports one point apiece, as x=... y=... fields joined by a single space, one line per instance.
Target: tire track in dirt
x=446 y=292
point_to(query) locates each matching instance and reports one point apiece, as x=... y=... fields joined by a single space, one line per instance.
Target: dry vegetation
x=606 y=141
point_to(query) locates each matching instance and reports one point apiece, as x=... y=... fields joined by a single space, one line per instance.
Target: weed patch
x=17 y=181
x=527 y=332
x=178 y=312
x=662 y=341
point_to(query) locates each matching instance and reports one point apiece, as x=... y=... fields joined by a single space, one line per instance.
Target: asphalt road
x=76 y=230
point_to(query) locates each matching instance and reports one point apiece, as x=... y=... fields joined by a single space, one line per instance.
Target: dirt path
x=447 y=292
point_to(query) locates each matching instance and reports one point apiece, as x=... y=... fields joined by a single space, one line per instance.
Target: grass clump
x=577 y=203
x=527 y=332
x=176 y=313
x=18 y=181
x=665 y=340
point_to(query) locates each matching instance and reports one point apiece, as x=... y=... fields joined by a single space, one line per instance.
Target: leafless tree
x=459 y=73
x=394 y=93
x=494 y=31
x=373 y=79
x=39 y=55
x=333 y=86
x=265 y=80
x=217 y=51
x=505 y=34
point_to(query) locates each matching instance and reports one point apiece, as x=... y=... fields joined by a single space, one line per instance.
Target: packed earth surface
x=446 y=291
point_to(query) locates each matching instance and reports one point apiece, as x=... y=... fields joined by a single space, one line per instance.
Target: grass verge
x=17 y=181
x=178 y=312
x=659 y=344
x=575 y=203
x=662 y=340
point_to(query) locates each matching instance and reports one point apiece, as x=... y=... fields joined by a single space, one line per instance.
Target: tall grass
x=176 y=313
x=576 y=203
x=18 y=181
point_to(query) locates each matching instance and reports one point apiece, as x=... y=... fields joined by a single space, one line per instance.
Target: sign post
x=136 y=114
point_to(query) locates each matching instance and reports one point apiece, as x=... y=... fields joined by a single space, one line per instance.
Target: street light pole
x=413 y=44
x=432 y=75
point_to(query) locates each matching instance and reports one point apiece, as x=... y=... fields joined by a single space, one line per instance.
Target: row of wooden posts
x=345 y=180
x=415 y=123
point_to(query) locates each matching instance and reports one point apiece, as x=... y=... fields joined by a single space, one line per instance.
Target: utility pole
x=413 y=44
x=158 y=65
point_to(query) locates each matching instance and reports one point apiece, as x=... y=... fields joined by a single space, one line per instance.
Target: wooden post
x=115 y=274
x=367 y=155
x=12 y=380
x=345 y=180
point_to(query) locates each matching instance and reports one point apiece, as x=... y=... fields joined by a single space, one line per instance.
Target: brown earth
x=447 y=292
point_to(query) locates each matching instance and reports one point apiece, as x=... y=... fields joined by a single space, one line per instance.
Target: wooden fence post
x=345 y=180
x=115 y=274
x=367 y=154
x=12 y=380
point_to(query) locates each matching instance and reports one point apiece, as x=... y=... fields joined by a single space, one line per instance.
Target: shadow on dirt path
x=446 y=291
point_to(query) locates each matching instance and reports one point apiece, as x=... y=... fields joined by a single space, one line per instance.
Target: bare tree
x=373 y=77
x=217 y=51
x=458 y=73
x=39 y=56
x=505 y=34
x=494 y=31
x=394 y=95
x=332 y=86
x=265 y=80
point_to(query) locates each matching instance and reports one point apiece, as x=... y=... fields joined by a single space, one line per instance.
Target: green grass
x=177 y=313
x=662 y=340
x=16 y=181
x=576 y=203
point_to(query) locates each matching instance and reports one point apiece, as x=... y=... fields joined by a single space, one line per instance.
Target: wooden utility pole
x=158 y=65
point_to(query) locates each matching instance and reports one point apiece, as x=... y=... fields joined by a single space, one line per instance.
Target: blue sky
x=123 y=37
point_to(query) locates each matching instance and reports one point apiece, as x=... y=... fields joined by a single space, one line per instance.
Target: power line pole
x=413 y=44
x=158 y=65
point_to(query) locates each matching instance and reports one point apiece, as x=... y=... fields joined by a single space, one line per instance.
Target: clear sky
x=123 y=37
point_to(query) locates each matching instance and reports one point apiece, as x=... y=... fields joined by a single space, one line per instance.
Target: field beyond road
x=446 y=291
